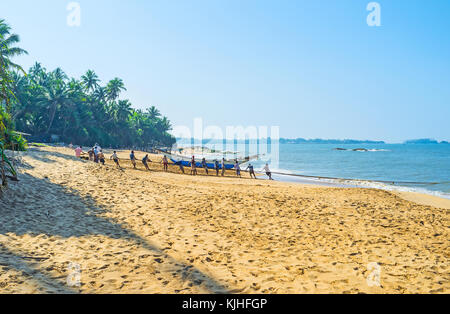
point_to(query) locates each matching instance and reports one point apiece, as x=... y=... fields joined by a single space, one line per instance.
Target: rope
x=320 y=177
x=375 y=181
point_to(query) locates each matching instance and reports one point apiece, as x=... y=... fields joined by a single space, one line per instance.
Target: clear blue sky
x=314 y=68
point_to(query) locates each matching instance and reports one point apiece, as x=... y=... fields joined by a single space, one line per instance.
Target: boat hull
x=186 y=161
x=210 y=165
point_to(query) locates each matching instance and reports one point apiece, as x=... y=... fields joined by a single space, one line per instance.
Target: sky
x=315 y=69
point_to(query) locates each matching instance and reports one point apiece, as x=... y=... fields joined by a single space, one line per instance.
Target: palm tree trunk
x=52 y=117
x=2 y=170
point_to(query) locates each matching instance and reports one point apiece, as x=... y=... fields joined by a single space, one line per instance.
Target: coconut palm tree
x=7 y=52
x=100 y=94
x=114 y=88
x=8 y=49
x=123 y=110
x=78 y=111
x=153 y=113
x=36 y=69
x=90 y=81
x=54 y=97
x=163 y=125
x=58 y=74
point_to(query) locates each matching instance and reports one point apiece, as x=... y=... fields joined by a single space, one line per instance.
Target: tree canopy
x=49 y=103
x=51 y=106
x=8 y=50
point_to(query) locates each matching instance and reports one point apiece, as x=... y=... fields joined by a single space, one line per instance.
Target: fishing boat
x=210 y=163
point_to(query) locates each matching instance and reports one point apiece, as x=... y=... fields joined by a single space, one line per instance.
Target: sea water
x=408 y=165
x=399 y=163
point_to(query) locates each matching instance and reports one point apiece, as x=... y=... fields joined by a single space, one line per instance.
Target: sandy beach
x=133 y=231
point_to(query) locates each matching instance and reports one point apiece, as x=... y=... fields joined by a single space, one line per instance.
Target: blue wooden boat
x=186 y=161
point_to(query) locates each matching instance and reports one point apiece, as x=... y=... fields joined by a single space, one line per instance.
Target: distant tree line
x=425 y=141
x=323 y=141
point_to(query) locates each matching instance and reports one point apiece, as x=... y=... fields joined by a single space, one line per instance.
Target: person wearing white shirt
x=97 y=148
x=267 y=171
x=115 y=158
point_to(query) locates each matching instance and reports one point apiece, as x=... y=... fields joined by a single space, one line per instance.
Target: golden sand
x=132 y=231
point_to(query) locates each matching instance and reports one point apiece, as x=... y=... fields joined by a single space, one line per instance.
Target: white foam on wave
x=374 y=150
x=389 y=187
x=366 y=184
x=282 y=171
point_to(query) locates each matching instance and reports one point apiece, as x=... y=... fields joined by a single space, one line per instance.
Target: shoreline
x=425 y=199
x=421 y=198
x=137 y=231
x=324 y=181
x=417 y=197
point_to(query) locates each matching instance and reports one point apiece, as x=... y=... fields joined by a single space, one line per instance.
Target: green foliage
x=37 y=145
x=8 y=137
x=49 y=103
x=83 y=112
x=9 y=168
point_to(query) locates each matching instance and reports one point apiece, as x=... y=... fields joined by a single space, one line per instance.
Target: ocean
x=408 y=165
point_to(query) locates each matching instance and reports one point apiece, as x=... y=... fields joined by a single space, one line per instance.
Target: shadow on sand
x=24 y=211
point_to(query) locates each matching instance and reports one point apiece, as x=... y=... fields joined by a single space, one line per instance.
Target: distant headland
x=350 y=141
x=314 y=141
x=425 y=141
x=323 y=141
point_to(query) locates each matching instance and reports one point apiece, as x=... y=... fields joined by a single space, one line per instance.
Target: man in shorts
x=238 y=169
x=133 y=159
x=165 y=163
x=223 y=167
x=204 y=165
x=193 y=166
x=217 y=167
x=91 y=155
x=115 y=158
x=251 y=170
x=145 y=160
x=101 y=157
x=180 y=164
x=268 y=172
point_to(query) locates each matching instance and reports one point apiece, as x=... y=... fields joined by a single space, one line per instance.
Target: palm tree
x=55 y=96
x=137 y=118
x=79 y=111
x=75 y=88
x=19 y=88
x=164 y=125
x=59 y=75
x=90 y=81
x=100 y=94
x=8 y=51
x=153 y=113
x=36 y=69
x=114 y=88
x=123 y=110
x=38 y=74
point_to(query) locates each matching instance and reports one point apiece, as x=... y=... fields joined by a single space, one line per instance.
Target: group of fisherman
x=96 y=154
x=220 y=166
